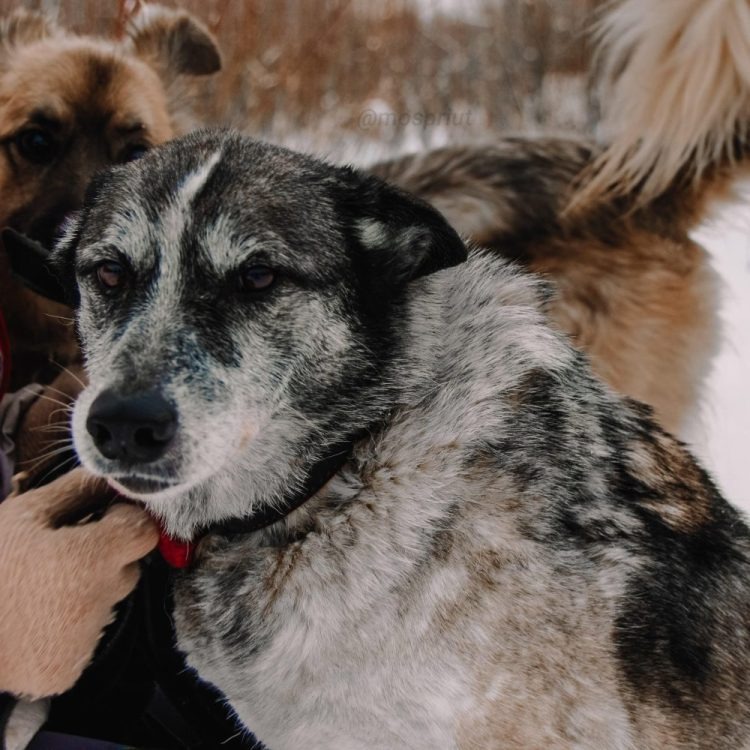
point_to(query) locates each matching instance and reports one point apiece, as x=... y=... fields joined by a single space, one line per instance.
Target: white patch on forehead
x=163 y=240
x=69 y=228
x=133 y=234
x=195 y=181
x=176 y=214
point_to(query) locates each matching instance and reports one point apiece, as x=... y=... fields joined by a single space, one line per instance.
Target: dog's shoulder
x=595 y=485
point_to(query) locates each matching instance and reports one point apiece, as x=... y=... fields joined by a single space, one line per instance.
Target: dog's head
x=240 y=312
x=72 y=105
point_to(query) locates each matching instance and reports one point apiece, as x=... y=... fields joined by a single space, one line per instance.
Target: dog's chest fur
x=457 y=585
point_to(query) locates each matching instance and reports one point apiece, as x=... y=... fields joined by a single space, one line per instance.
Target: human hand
x=59 y=583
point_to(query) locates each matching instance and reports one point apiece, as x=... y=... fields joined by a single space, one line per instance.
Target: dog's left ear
x=173 y=42
x=398 y=236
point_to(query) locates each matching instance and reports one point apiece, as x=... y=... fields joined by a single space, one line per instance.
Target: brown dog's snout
x=133 y=429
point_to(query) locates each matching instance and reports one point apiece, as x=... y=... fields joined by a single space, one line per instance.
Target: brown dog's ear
x=173 y=42
x=24 y=27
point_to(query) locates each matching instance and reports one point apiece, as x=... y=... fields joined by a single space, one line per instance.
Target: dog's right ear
x=173 y=42
x=24 y=27
x=62 y=259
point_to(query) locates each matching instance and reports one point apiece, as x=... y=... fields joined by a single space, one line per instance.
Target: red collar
x=176 y=553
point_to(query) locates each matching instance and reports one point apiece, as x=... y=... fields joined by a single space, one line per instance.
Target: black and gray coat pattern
x=513 y=557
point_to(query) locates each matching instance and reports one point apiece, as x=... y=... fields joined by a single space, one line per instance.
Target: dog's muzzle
x=133 y=429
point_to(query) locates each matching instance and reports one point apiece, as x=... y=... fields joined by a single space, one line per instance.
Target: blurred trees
x=423 y=71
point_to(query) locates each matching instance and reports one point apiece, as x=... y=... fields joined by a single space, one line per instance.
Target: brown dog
x=609 y=225
x=70 y=106
x=635 y=292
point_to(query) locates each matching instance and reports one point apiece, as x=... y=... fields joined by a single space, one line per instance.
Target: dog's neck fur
x=451 y=319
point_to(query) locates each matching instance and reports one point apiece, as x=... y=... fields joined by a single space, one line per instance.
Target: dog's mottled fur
x=93 y=103
x=513 y=557
x=610 y=225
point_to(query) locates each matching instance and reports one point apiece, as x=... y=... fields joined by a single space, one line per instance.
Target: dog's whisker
x=54 y=447
x=64 y=318
x=56 y=442
x=51 y=427
x=72 y=374
x=68 y=462
x=54 y=401
x=62 y=393
x=32 y=465
x=68 y=410
x=35 y=387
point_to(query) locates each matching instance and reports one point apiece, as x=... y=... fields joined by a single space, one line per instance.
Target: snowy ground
x=722 y=435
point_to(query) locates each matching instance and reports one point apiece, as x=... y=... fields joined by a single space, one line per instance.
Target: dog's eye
x=133 y=151
x=36 y=145
x=255 y=278
x=110 y=274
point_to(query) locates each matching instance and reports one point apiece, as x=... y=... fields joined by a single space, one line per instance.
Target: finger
x=124 y=534
x=73 y=494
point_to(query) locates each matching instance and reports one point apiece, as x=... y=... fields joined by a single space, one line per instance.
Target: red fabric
x=4 y=357
x=176 y=553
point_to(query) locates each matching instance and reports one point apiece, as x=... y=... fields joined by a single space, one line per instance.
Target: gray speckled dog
x=424 y=523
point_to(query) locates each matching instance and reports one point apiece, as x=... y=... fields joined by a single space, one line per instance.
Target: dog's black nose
x=136 y=429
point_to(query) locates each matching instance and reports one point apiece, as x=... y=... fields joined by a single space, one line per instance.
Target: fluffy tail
x=678 y=103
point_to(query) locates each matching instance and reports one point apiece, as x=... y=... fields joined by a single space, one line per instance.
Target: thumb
x=70 y=497
x=124 y=534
